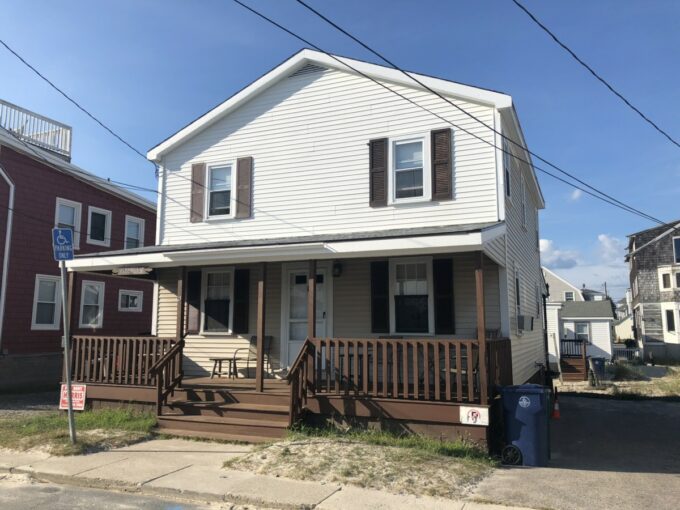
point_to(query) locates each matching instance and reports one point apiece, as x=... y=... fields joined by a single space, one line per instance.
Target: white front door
x=295 y=310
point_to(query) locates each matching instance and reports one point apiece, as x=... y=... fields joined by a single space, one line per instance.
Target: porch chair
x=249 y=354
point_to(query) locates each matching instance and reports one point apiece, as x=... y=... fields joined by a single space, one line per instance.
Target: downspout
x=548 y=372
x=5 y=259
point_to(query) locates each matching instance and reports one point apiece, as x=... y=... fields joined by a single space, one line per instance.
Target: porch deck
x=240 y=384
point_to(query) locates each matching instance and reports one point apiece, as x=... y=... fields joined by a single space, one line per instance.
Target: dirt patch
x=631 y=381
x=394 y=469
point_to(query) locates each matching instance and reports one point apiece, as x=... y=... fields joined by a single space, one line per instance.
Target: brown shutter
x=380 y=297
x=244 y=185
x=197 y=191
x=442 y=162
x=444 y=319
x=193 y=302
x=378 y=172
x=241 y=300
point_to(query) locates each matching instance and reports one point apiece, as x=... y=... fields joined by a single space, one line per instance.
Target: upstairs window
x=99 y=226
x=134 y=232
x=92 y=304
x=410 y=170
x=46 y=303
x=67 y=215
x=217 y=301
x=666 y=280
x=676 y=250
x=568 y=295
x=220 y=186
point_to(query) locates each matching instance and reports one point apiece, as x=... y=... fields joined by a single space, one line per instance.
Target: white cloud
x=611 y=250
x=575 y=195
x=604 y=265
x=553 y=258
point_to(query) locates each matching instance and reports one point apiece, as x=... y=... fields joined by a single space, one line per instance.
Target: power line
x=429 y=89
x=309 y=43
x=73 y=101
x=595 y=74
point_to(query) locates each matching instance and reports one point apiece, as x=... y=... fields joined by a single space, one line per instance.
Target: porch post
x=311 y=300
x=481 y=330
x=259 y=365
x=181 y=300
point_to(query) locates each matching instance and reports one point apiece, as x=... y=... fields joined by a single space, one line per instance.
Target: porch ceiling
x=392 y=243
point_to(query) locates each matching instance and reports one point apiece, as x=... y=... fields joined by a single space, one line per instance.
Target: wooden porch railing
x=117 y=360
x=445 y=370
x=168 y=374
x=572 y=348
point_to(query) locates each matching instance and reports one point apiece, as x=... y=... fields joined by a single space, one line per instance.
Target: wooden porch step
x=241 y=410
x=208 y=425
x=233 y=396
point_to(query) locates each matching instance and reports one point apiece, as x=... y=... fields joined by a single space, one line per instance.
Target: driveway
x=621 y=454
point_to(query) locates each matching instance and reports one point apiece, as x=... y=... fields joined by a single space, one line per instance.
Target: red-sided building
x=39 y=189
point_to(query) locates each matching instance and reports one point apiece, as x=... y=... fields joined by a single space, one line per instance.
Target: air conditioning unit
x=525 y=323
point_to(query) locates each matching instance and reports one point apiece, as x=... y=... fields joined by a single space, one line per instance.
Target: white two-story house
x=320 y=225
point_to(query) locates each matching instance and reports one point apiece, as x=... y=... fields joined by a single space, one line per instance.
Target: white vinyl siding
x=308 y=136
x=528 y=347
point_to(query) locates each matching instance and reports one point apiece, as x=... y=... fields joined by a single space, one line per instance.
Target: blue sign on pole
x=62 y=243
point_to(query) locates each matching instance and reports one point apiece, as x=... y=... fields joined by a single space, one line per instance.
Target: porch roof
x=394 y=242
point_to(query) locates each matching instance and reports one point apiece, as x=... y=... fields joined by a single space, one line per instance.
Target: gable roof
x=61 y=165
x=556 y=276
x=587 y=310
x=305 y=57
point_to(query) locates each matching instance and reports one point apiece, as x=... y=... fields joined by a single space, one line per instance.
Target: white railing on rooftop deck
x=36 y=129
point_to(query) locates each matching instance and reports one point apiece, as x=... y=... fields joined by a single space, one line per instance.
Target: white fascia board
x=452 y=243
x=518 y=128
x=465 y=92
x=588 y=318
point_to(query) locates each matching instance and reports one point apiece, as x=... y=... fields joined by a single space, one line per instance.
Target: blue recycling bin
x=526 y=413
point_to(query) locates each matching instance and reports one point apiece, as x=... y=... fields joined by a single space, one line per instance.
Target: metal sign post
x=62 y=245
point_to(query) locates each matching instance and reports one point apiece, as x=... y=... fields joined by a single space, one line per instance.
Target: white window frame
x=393 y=262
x=204 y=295
x=78 y=207
x=676 y=255
x=573 y=295
x=576 y=333
x=140 y=300
x=100 y=304
x=107 y=228
x=423 y=138
x=232 y=196
x=56 y=324
x=141 y=222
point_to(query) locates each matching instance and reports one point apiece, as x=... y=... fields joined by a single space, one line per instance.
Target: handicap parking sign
x=62 y=243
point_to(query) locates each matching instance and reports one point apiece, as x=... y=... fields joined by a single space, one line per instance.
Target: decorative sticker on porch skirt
x=474 y=415
x=524 y=401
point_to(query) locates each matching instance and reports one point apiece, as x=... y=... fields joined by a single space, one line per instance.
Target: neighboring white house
x=315 y=163
x=560 y=290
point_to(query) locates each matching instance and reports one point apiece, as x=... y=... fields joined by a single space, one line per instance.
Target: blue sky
x=148 y=67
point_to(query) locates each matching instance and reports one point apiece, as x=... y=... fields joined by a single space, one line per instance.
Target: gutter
x=8 y=244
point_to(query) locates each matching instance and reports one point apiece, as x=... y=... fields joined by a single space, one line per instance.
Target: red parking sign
x=78 y=392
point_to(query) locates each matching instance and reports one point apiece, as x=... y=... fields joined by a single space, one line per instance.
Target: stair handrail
x=301 y=379
x=169 y=364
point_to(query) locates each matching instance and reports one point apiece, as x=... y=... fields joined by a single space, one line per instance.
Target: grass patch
x=370 y=458
x=626 y=372
x=95 y=430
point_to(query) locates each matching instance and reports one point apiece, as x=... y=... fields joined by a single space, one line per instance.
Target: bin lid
x=525 y=388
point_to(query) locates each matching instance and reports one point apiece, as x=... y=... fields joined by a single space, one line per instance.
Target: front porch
x=406 y=333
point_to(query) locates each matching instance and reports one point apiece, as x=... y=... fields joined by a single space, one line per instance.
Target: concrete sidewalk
x=193 y=470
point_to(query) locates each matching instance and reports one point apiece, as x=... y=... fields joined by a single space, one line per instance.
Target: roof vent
x=308 y=69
